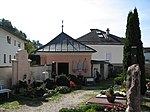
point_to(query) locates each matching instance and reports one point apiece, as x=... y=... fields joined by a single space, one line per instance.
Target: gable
x=64 y=43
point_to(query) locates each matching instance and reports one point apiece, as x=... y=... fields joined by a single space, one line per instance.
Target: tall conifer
x=133 y=38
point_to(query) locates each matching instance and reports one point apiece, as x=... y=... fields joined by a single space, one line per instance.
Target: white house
x=109 y=49
x=9 y=45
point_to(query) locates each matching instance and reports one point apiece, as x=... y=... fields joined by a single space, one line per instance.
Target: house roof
x=146 y=50
x=99 y=37
x=99 y=62
x=6 y=29
x=64 y=43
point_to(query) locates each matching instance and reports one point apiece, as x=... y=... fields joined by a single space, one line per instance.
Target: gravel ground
x=66 y=101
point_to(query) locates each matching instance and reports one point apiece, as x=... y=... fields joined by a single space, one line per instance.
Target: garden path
x=67 y=100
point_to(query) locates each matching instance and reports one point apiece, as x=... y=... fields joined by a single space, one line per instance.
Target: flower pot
x=111 y=98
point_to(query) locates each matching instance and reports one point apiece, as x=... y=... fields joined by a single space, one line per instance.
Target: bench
x=4 y=90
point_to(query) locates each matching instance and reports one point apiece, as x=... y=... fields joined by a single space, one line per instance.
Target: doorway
x=63 y=68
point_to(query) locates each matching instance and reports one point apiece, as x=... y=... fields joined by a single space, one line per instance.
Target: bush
x=86 y=108
x=41 y=90
x=37 y=83
x=91 y=110
x=71 y=110
x=118 y=80
x=50 y=84
x=74 y=79
x=62 y=80
x=23 y=84
x=63 y=89
x=96 y=107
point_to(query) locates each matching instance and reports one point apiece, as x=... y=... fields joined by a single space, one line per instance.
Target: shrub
x=23 y=84
x=50 y=84
x=62 y=80
x=91 y=110
x=71 y=110
x=96 y=107
x=41 y=90
x=118 y=80
x=63 y=89
x=74 y=79
x=51 y=92
x=86 y=108
x=37 y=83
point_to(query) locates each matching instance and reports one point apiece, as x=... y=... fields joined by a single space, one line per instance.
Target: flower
x=148 y=85
x=72 y=83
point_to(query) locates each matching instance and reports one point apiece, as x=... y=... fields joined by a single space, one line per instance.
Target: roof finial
x=62 y=25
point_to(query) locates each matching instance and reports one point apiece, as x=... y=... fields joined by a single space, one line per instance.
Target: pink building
x=67 y=56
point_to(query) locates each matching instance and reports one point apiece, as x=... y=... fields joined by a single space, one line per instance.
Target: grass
x=10 y=105
x=145 y=105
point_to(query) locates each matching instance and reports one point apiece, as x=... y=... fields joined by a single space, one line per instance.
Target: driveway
x=73 y=99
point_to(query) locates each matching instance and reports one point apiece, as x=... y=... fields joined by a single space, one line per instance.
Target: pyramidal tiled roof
x=99 y=37
x=64 y=43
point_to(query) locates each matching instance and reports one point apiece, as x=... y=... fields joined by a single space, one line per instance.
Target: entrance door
x=63 y=68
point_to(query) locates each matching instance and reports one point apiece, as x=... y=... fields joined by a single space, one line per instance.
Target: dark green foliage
x=7 y=24
x=63 y=89
x=91 y=110
x=37 y=83
x=36 y=60
x=71 y=110
x=62 y=80
x=37 y=44
x=74 y=79
x=86 y=108
x=50 y=84
x=133 y=38
x=118 y=80
x=41 y=90
x=23 y=84
x=97 y=107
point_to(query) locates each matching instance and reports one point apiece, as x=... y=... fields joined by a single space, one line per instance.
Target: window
x=14 y=42
x=19 y=44
x=9 y=58
x=9 y=39
x=4 y=58
x=108 y=56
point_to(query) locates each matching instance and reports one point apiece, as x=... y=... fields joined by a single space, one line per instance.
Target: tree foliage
x=133 y=38
x=7 y=24
x=29 y=46
x=37 y=44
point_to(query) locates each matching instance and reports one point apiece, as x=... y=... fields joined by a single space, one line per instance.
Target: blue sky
x=42 y=19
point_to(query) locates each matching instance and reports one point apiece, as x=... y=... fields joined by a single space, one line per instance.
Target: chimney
x=107 y=32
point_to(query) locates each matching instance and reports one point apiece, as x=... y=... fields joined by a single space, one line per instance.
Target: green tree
x=29 y=46
x=7 y=24
x=133 y=38
x=37 y=43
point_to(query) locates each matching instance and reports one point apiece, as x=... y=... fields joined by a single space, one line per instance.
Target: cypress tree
x=133 y=38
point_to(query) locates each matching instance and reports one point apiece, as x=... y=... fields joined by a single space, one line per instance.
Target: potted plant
x=110 y=95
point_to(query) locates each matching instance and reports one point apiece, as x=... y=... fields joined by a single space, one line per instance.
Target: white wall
x=8 y=49
x=147 y=56
x=6 y=74
x=112 y=52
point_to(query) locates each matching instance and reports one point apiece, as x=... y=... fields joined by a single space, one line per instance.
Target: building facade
x=109 y=49
x=9 y=45
x=67 y=56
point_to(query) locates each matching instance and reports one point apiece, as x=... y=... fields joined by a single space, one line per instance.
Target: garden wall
x=36 y=72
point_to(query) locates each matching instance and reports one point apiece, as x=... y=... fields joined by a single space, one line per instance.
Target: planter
x=111 y=98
